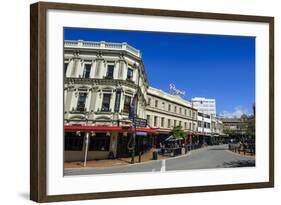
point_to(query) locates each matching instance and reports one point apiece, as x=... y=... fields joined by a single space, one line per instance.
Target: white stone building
x=165 y=111
x=101 y=79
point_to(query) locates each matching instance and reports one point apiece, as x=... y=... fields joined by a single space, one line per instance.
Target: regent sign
x=175 y=91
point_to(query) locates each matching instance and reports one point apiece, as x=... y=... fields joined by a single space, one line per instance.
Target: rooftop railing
x=101 y=45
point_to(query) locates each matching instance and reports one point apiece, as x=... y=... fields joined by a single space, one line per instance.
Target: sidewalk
x=113 y=162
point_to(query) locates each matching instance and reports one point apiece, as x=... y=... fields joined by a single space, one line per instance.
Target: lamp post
x=86 y=143
x=203 y=126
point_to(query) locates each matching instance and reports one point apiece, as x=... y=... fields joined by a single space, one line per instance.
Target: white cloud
x=238 y=111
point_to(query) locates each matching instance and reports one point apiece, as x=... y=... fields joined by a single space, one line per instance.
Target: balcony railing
x=101 y=45
x=79 y=109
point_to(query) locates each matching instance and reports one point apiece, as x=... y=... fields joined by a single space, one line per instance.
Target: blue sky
x=211 y=66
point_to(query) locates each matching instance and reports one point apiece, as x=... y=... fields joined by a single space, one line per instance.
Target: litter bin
x=154 y=155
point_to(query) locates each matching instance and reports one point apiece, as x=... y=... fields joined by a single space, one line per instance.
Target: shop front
x=103 y=142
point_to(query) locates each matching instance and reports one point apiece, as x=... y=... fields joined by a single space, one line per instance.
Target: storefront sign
x=175 y=91
x=140 y=122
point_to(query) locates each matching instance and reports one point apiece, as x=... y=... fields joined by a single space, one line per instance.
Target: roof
x=164 y=95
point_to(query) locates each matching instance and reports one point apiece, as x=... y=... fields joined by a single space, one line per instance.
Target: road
x=205 y=158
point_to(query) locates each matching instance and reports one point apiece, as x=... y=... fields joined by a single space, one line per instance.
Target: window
x=127 y=103
x=175 y=110
x=189 y=113
x=155 y=121
x=175 y=123
x=65 y=68
x=130 y=74
x=149 y=101
x=110 y=71
x=169 y=107
x=169 y=123
x=156 y=103
x=180 y=110
x=81 y=102
x=193 y=114
x=162 y=121
x=87 y=70
x=190 y=125
x=185 y=125
x=179 y=123
x=163 y=105
x=72 y=142
x=99 y=142
x=185 y=112
x=148 y=119
x=106 y=103
x=117 y=101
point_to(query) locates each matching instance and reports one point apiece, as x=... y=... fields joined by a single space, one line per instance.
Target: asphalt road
x=205 y=158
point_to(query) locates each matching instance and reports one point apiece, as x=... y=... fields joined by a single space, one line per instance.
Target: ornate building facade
x=101 y=79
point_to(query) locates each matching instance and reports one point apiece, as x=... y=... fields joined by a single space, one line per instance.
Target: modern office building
x=205 y=105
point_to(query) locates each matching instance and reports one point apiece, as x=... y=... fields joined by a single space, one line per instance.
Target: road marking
x=163 y=166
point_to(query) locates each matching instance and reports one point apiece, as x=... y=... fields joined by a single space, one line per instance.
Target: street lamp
x=86 y=142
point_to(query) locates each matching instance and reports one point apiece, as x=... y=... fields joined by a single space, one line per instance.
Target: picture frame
x=39 y=100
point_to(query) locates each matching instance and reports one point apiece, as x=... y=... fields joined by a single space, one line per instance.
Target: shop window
x=73 y=142
x=99 y=142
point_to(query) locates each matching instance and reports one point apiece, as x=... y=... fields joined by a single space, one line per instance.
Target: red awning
x=74 y=128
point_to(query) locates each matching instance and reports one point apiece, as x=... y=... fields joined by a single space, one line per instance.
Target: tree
x=178 y=133
x=229 y=132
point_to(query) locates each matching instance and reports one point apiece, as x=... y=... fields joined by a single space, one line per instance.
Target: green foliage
x=251 y=128
x=229 y=132
x=178 y=133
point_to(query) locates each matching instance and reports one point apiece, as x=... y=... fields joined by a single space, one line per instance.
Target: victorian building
x=165 y=111
x=101 y=80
